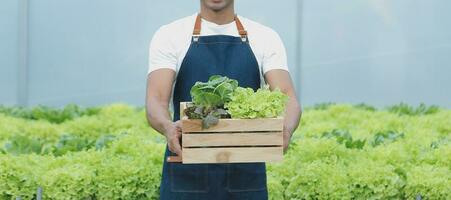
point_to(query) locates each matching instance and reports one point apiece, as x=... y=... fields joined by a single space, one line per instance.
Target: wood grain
x=232 y=139
x=234 y=125
x=232 y=155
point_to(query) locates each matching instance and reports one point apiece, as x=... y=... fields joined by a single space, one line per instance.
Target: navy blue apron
x=210 y=55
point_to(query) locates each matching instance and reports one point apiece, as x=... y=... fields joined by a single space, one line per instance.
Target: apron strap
x=241 y=31
x=239 y=26
x=196 y=31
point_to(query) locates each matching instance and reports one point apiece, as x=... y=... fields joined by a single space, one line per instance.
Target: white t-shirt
x=170 y=43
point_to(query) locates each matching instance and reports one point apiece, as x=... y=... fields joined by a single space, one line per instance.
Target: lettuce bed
x=340 y=152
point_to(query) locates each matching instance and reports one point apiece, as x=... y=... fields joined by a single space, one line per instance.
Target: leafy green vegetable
x=245 y=103
x=404 y=109
x=72 y=143
x=209 y=99
x=214 y=93
x=129 y=166
x=69 y=112
x=20 y=144
x=385 y=136
x=344 y=137
x=322 y=106
x=365 y=107
x=104 y=141
x=440 y=142
x=221 y=97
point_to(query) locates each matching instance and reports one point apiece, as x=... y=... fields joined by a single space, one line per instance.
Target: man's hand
x=286 y=140
x=159 y=89
x=173 y=133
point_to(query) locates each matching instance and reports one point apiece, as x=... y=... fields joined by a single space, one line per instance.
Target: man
x=214 y=41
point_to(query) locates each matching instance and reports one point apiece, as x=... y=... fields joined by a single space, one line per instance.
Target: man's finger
x=179 y=134
x=170 y=148
x=178 y=124
x=176 y=146
x=171 y=145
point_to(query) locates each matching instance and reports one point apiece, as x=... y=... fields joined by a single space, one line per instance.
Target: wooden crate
x=231 y=141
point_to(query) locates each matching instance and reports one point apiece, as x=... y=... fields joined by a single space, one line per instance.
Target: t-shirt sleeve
x=274 y=56
x=162 y=53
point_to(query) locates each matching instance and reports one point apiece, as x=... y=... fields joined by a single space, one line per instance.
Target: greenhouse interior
x=224 y=99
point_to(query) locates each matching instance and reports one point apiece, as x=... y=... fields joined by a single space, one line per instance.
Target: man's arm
x=159 y=89
x=281 y=79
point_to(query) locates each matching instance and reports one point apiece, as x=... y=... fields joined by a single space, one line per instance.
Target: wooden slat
x=232 y=155
x=174 y=159
x=182 y=108
x=234 y=125
x=232 y=139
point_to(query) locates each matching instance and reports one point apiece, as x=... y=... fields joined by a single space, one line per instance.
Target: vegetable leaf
x=245 y=103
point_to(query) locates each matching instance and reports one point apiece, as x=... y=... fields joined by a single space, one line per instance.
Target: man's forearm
x=158 y=115
x=292 y=115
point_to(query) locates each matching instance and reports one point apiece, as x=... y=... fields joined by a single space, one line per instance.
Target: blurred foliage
x=339 y=152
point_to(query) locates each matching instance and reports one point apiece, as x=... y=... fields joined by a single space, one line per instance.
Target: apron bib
x=214 y=55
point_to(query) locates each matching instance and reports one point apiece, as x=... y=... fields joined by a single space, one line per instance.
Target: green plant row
x=54 y=115
x=338 y=152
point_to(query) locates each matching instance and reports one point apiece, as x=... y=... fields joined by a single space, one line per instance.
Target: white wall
x=379 y=51
x=9 y=28
x=95 y=52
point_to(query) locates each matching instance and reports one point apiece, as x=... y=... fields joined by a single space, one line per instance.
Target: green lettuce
x=247 y=104
x=405 y=156
x=209 y=98
x=214 y=93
